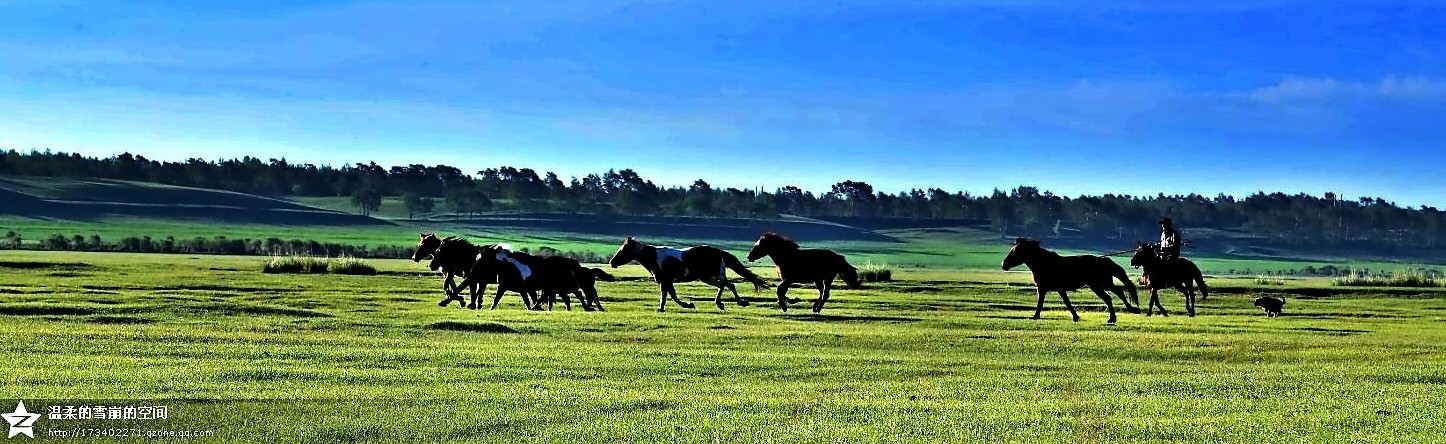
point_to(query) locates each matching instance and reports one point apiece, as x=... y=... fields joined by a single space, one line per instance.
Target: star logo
x=21 y=421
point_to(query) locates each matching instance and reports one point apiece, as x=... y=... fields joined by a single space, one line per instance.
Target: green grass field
x=938 y=355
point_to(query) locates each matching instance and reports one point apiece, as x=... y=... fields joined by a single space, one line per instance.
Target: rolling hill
x=38 y=207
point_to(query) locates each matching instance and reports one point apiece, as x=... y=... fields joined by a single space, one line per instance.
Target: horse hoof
x=660 y=310
x=471 y=306
x=720 y=306
x=1076 y=319
x=687 y=305
x=1035 y=317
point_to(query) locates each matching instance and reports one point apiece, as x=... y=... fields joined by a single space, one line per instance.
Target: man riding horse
x=1164 y=268
x=1169 y=248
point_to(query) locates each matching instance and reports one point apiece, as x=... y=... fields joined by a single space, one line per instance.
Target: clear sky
x=1134 y=97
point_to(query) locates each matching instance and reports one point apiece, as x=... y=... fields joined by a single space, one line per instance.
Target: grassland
x=937 y=355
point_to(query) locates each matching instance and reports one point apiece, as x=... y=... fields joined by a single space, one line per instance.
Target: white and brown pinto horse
x=670 y=266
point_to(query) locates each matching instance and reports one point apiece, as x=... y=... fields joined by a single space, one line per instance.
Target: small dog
x=1271 y=305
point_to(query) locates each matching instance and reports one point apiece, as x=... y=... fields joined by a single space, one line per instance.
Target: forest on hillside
x=1289 y=219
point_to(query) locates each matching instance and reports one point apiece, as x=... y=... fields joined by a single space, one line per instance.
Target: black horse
x=1062 y=274
x=536 y=279
x=454 y=256
x=674 y=265
x=1179 y=273
x=796 y=266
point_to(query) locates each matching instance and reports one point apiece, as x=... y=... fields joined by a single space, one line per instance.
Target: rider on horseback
x=1169 y=247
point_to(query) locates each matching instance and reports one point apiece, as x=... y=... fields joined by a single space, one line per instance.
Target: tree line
x=272 y=246
x=1293 y=219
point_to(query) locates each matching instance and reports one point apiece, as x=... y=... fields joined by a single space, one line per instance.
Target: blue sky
x=1134 y=97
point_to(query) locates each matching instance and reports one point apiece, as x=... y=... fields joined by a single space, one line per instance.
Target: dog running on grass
x=1271 y=305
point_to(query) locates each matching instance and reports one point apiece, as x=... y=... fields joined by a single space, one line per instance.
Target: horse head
x=625 y=253
x=426 y=246
x=768 y=243
x=1144 y=253
x=1022 y=250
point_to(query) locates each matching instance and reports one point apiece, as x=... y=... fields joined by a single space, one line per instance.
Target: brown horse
x=1062 y=274
x=457 y=257
x=1180 y=274
x=455 y=264
x=796 y=266
x=670 y=265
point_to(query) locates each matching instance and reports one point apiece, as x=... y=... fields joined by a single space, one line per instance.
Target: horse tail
x=1200 y=281
x=849 y=274
x=734 y=264
x=601 y=275
x=1119 y=273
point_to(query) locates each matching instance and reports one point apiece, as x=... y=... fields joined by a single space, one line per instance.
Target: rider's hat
x=1166 y=221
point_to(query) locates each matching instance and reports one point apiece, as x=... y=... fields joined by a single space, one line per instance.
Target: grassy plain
x=938 y=355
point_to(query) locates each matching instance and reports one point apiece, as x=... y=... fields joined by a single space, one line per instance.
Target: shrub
x=872 y=272
x=1405 y=277
x=351 y=265
x=285 y=264
x=1268 y=280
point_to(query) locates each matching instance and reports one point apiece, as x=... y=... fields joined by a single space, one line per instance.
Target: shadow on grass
x=811 y=317
x=475 y=327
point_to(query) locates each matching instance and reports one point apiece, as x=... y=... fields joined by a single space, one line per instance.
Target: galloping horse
x=674 y=265
x=454 y=256
x=795 y=265
x=534 y=278
x=1180 y=274
x=427 y=246
x=1062 y=274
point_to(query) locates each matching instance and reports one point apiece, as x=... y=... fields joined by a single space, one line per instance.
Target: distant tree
x=416 y=203
x=367 y=200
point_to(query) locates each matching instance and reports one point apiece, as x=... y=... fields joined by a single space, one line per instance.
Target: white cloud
x=1309 y=89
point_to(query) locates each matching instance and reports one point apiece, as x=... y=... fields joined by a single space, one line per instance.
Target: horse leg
x=1063 y=295
x=1155 y=299
x=592 y=296
x=1189 y=293
x=824 y=290
x=478 y=289
x=783 y=295
x=498 y=299
x=718 y=298
x=1038 y=306
x=1132 y=308
x=662 y=296
x=566 y=300
x=736 y=298
x=672 y=290
x=1109 y=302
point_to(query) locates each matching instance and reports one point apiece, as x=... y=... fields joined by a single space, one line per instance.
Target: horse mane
x=787 y=243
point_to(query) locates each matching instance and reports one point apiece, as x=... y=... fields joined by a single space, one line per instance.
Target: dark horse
x=454 y=257
x=427 y=246
x=536 y=278
x=795 y=266
x=674 y=265
x=1062 y=274
x=1180 y=274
